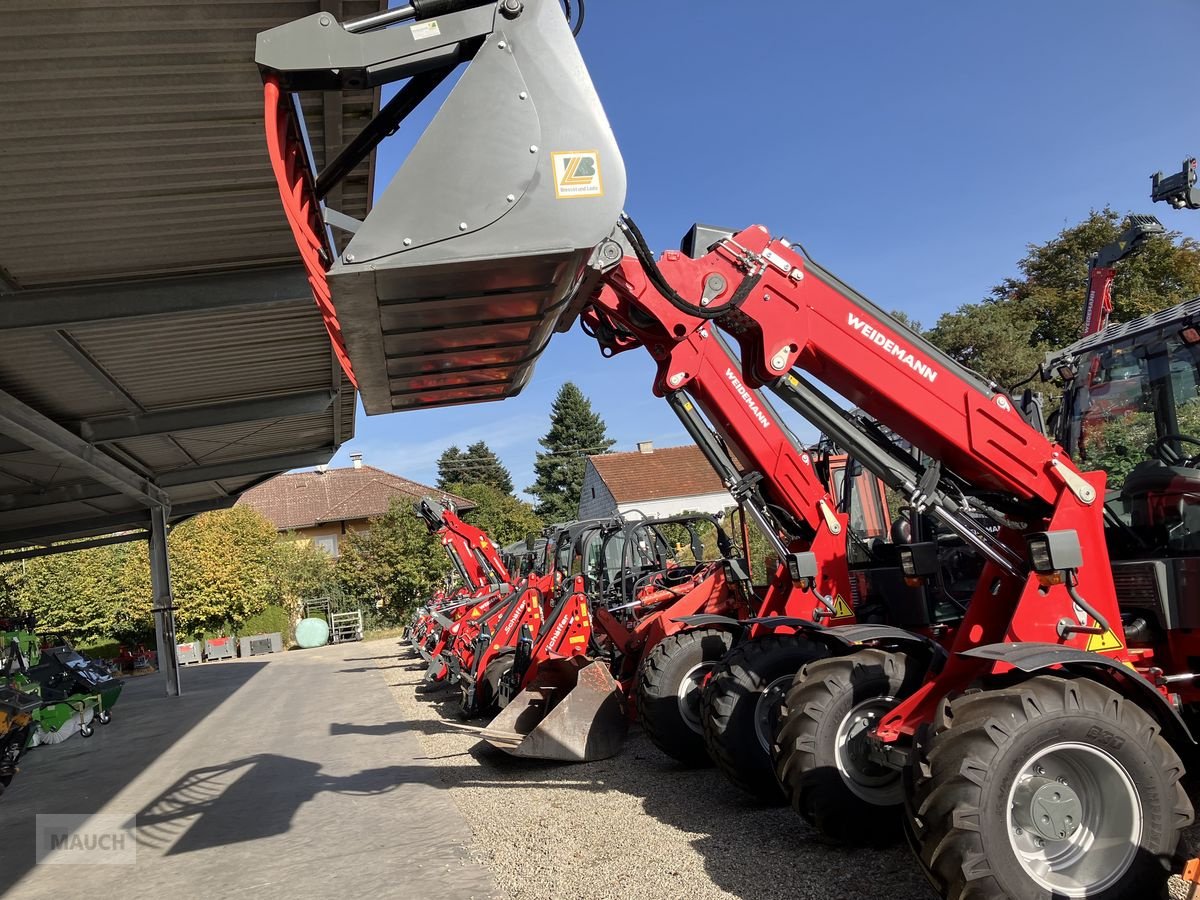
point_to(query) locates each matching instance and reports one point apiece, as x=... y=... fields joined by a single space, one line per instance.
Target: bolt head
x=533 y=148
x=407 y=242
x=349 y=257
x=676 y=379
x=511 y=198
x=462 y=226
x=324 y=20
x=523 y=95
x=502 y=44
x=797 y=275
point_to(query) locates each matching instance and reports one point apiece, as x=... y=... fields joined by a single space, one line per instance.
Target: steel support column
x=164 y=601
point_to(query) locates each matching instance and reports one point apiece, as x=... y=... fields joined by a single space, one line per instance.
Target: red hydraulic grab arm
x=785 y=313
x=700 y=365
x=473 y=552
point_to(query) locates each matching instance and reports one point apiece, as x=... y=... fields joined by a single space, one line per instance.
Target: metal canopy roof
x=158 y=337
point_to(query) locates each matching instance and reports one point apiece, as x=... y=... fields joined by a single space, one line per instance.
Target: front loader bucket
x=478 y=249
x=568 y=713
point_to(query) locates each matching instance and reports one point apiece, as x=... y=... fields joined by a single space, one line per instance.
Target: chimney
x=356 y=458
x=646 y=447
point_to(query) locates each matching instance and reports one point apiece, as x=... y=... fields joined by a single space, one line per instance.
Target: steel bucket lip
x=587 y=723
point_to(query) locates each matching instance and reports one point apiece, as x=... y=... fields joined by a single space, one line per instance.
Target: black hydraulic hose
x=644 y=255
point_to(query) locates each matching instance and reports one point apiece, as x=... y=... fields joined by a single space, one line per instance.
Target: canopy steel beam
x=132 y=519
x=164 y=602
x=70 y=306
x=37 y=432
x=106 y=541
x=239 y=467
x=118 y=428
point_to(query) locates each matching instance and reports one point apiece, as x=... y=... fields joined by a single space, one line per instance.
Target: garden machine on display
x=74 y=692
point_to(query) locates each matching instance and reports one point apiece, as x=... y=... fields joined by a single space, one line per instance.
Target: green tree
x=1005 y=336
x=475 y=465
x=393 y=566
x=302 y=572
x=505 y=518
x=222 y=568
x=576 y=432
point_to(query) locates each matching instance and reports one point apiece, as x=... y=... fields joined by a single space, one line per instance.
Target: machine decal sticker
x=749 y=398
x=1098 y=643
x=892 y=348
x=425 y=30
x=841 y=609
x=577 y=174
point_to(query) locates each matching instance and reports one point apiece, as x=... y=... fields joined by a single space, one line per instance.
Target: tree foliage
x=505 y=518
x=227 y=567
x=1005 y=336
x=222 y=567
x=576 y=432
x=475 y=465
x=393 y=566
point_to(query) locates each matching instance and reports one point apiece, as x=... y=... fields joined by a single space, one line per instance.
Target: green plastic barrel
x=312 y=633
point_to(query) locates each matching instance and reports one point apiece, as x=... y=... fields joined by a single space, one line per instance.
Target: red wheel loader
x=1040 y=752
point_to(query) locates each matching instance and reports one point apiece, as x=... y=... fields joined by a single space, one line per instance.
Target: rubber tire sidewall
x=973 y=785
x=659 y=677
x=806 y=750
x=730 y=705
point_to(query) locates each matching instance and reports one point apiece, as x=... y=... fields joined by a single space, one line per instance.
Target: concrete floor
x=281 y=776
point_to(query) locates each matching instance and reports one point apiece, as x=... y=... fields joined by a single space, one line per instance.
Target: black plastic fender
x=705 y=620
x=841 y=639
x=730 y=622
x=1032 y=657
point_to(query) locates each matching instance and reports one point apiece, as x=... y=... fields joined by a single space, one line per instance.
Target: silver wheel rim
x=767 y=708
x=688 y=695
x=869 y=781
x=1074 y=820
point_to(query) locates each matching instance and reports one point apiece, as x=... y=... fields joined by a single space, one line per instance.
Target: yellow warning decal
x=1098 y=643
x=841 y=609
x=687 y=404
x=578 y=639
x=577 y=174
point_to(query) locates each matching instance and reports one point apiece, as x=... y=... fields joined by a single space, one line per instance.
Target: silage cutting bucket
x=573 y=711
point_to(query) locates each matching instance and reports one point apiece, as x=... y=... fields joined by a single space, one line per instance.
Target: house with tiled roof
x=654 y=482
x=326 y=504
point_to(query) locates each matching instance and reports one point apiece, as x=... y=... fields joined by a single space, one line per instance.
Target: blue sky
x=914 y=148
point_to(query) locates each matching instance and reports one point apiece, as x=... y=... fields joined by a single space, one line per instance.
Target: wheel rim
x=767 y=709
x=867 y=780
x=688 y=695
x=1074 y=819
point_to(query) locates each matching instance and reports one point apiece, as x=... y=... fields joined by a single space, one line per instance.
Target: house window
x=593 y=493
x=328 y=543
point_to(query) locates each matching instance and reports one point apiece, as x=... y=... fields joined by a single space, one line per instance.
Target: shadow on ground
x=82 y=775
x=241 y=800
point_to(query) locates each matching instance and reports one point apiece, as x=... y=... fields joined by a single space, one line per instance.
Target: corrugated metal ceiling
x=133 y=157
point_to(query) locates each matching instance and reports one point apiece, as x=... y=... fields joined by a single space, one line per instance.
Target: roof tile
x=659 y=475
x=304 y=499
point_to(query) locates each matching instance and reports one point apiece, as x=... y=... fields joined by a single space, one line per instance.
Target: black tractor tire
x=840 y=794
x=487 y=697
x=687 y=655
x=990 y=748
x=741 y=706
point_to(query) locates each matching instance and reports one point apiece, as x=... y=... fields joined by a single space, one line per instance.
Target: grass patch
x=378 y=634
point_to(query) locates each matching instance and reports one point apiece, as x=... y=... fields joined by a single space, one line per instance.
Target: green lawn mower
x=74 y=692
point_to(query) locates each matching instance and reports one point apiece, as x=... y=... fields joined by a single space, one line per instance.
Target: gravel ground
x=636 y=826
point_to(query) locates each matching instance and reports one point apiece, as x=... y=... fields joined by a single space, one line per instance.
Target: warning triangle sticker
x=1098 y=643
x=841 y=609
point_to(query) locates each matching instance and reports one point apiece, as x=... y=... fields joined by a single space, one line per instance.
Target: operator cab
x=1132 y=408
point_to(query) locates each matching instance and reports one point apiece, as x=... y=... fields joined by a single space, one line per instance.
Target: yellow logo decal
x=841 y=609
x=578 y=639
x=1098 y=643
x=577 y=174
